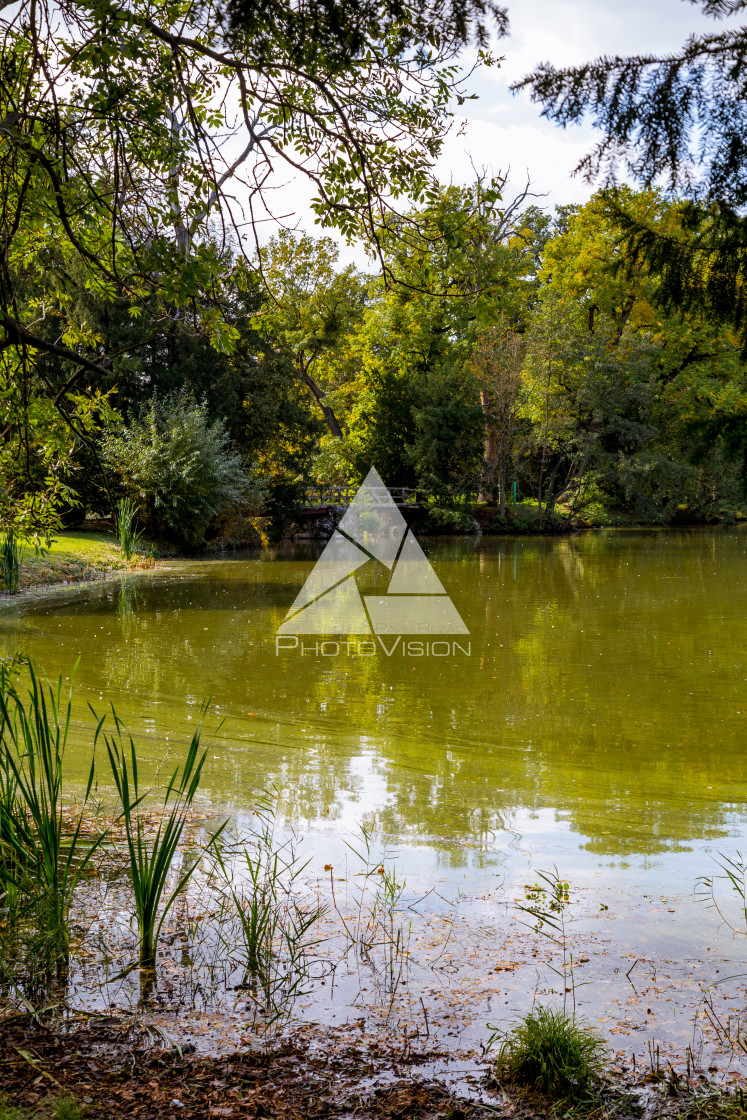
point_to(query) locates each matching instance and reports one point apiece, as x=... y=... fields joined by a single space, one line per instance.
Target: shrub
x=444 y=520
x=178 y=466
x=551 y=1051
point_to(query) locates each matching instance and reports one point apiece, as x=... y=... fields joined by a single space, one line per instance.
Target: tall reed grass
x=129 y=538
x=11 y=553
x=42 y=853
x=151 y=857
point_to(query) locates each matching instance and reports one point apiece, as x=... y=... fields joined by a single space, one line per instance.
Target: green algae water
x=598 y=704
x=602 y=687
x=593 y=719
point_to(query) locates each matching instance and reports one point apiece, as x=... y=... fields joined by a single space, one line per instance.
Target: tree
x=404 y=387
x=498 y=359
x=309 y=308
x=127 y=130
x=617 y=384
x=681 y=119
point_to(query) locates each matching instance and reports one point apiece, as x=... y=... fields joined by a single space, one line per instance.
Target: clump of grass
x=10 y=562
x=552 y=1052
x=64 y=1108
x=129 y=538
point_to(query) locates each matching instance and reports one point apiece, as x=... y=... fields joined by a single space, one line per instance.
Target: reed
x=375 y=934
x=129 y=538
x=151 y=858
x=11 y=552
x=276 y=932
x=42 y=855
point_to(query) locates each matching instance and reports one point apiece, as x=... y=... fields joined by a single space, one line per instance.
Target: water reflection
x=605 y=685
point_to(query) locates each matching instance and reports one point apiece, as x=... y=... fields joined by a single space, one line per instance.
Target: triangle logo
x=373 y=528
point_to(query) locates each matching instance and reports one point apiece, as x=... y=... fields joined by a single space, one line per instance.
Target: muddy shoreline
x=110 y=1067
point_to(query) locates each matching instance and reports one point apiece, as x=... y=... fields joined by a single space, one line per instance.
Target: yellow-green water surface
x=600 y=717
x=597 y=721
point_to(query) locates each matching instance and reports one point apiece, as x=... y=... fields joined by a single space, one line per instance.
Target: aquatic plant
x=42 y=856
x=151 y=858
x=125 y=518
x=276 y=930
x=551 y=1051
x=11 y=552
x=375 y=933
x=548 y=901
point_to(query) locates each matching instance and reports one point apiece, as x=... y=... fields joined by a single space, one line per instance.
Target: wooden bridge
x=340 y=496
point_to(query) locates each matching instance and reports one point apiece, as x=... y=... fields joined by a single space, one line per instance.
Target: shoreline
x=94 y=576
x=93 y=573
x=111 y=1066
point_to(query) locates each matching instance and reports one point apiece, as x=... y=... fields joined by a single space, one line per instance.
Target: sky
x=505 y=132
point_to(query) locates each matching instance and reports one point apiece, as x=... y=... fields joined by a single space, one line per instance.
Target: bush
x=442 y=520
x=551 y=1051
x=179 y=468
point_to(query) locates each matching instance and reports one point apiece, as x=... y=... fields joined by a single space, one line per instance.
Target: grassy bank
x=76 y=555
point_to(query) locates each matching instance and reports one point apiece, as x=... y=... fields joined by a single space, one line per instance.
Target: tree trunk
x=490 y=453
x=502 y=483
x=329 y=415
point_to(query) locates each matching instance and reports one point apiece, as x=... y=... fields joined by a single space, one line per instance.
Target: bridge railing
x=343 y=495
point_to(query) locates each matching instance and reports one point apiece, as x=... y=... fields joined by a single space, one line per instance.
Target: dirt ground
x=110 y=1073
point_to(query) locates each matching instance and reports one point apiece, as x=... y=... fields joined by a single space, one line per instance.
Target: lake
x=595 y=717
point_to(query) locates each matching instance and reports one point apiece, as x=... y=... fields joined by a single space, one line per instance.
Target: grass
x=76 y=554
x=62 y=1109
x=552 y=1052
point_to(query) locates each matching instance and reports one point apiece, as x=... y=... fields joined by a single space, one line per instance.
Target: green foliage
x=678 y=119
x=101 y=280
x=177 y=465
x=444 y=520
x=552 y=1052
x=616 y=385
x=310 y=311
x=449 y=429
